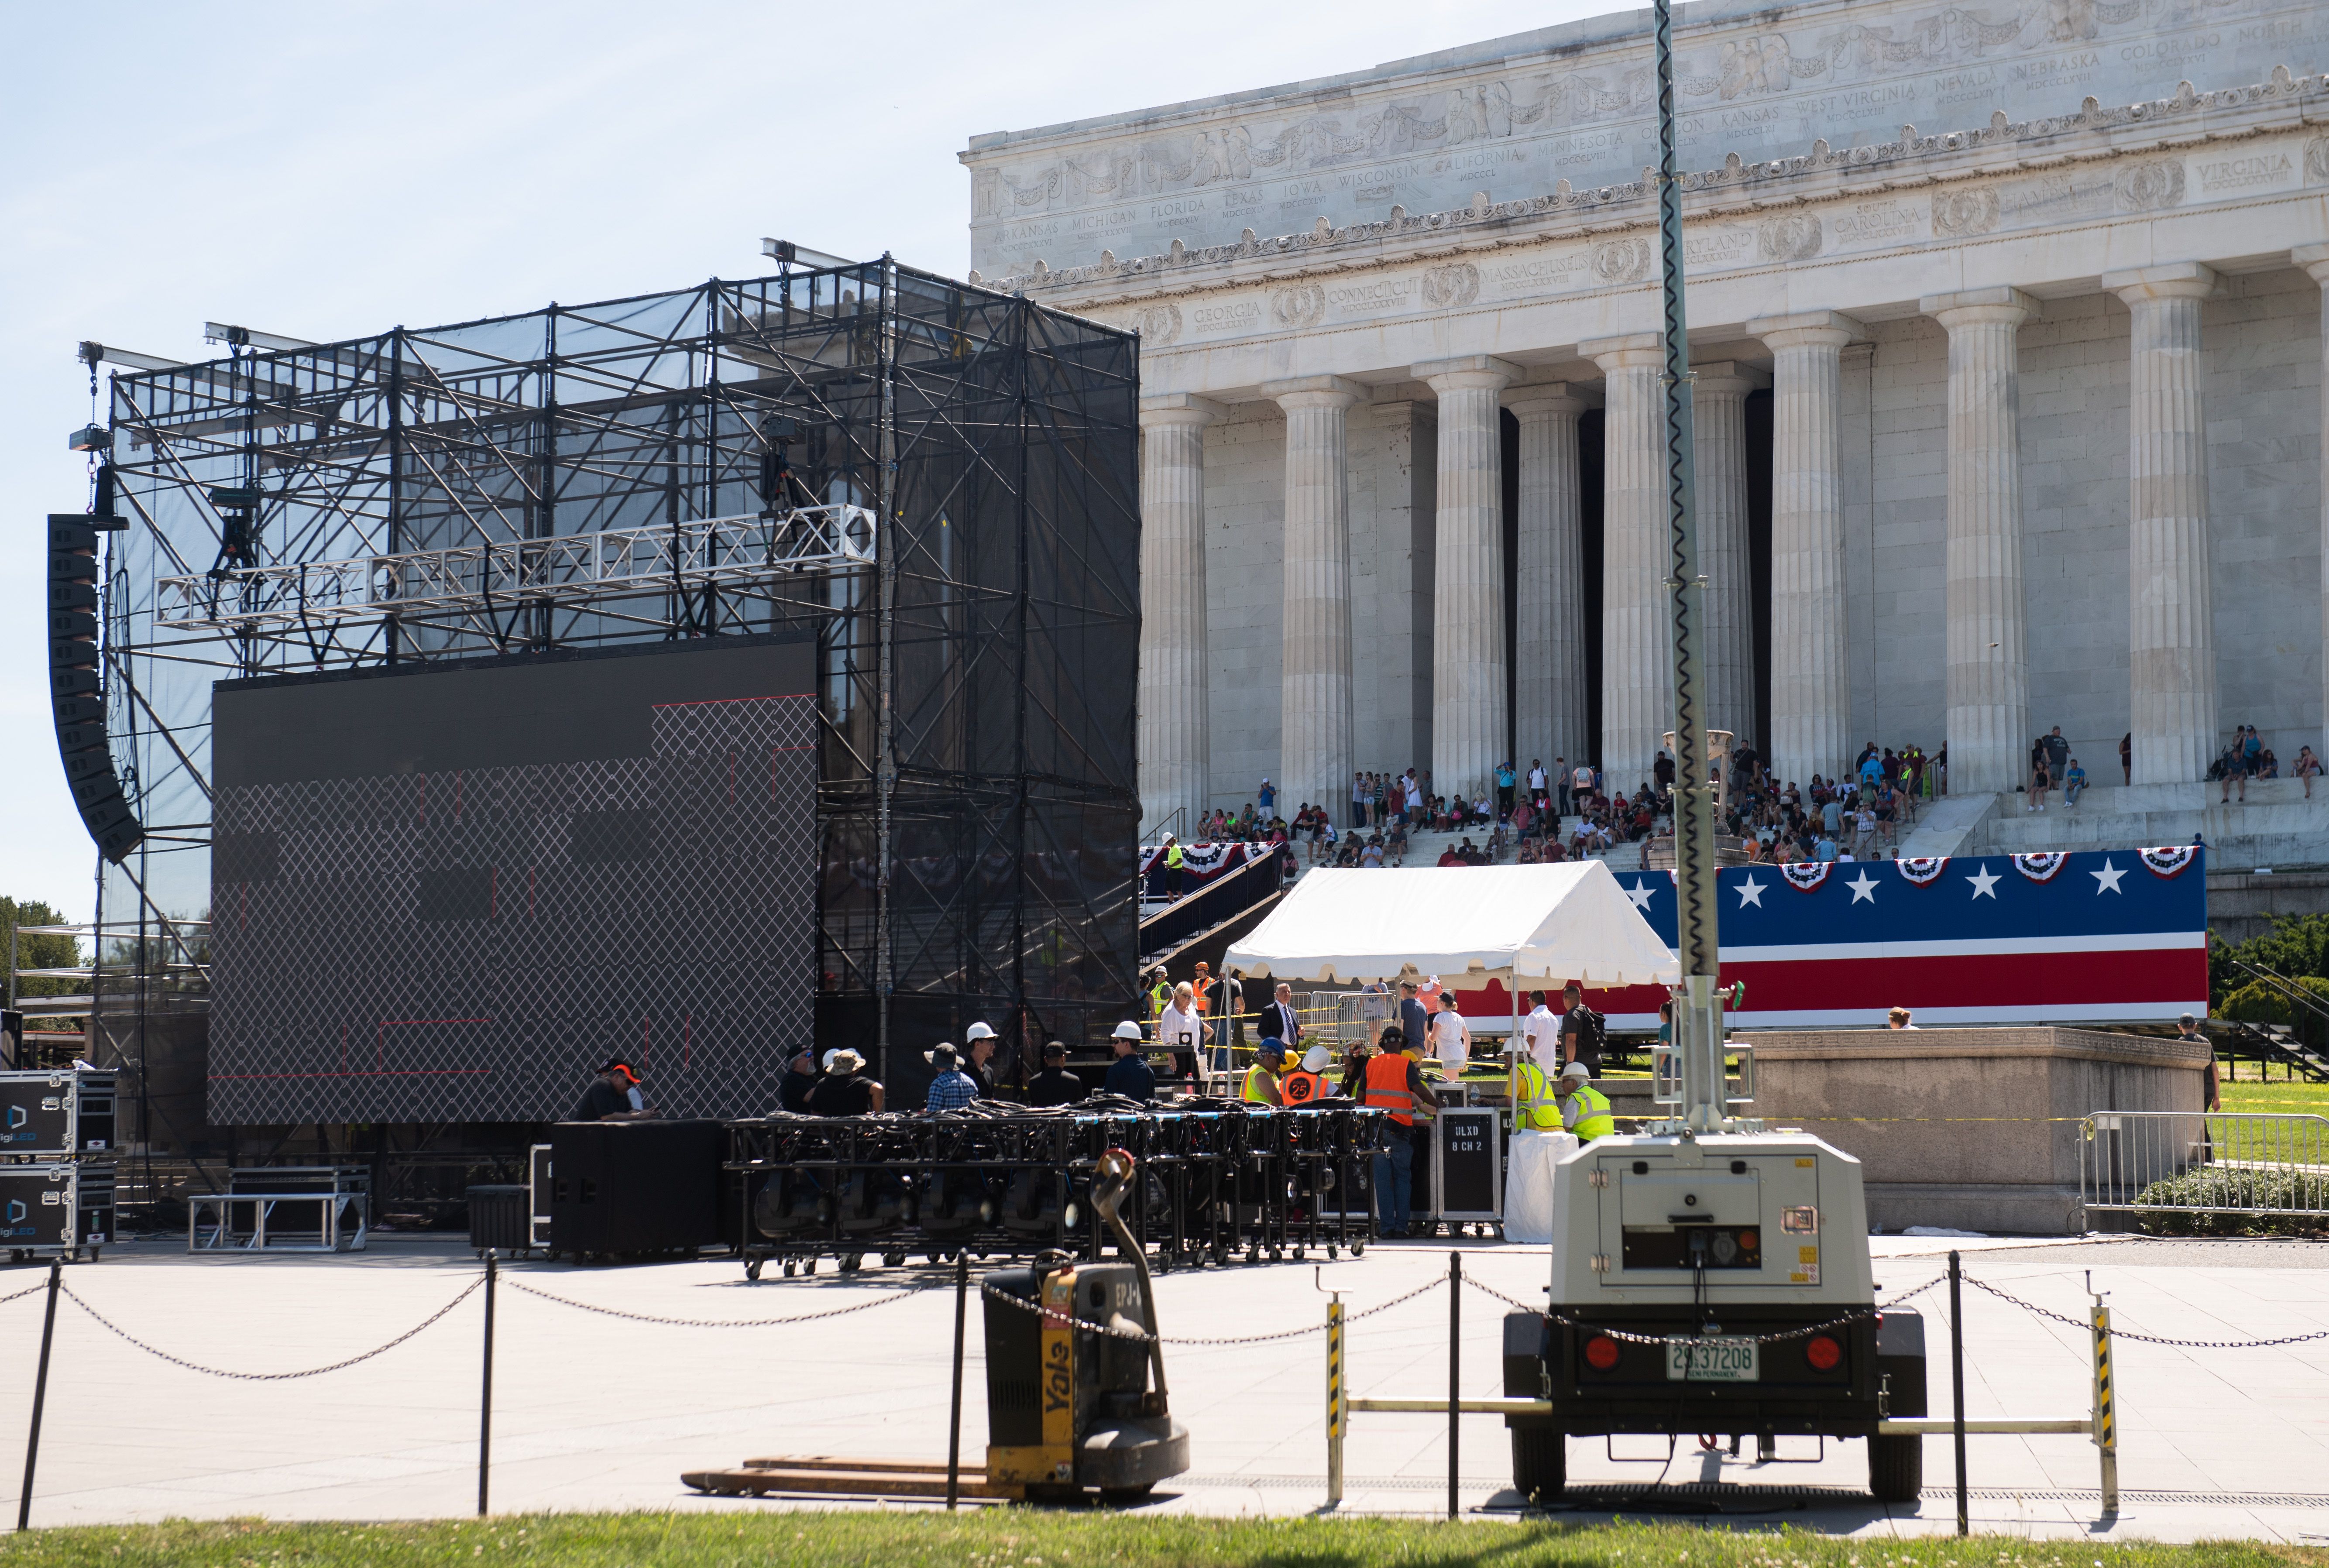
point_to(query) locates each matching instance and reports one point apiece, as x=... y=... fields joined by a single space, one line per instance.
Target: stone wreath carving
x=2150 y=187
x=1157 y=325
x=1961 y=214
x=1794 y=238
x=1623 y=260
x=1447 y=288
x=2316 y=158
x=1302 y=305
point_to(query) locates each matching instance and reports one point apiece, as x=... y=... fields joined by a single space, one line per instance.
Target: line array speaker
x=74 y=691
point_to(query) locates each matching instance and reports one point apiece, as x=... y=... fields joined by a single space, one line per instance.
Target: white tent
x=1465 y=923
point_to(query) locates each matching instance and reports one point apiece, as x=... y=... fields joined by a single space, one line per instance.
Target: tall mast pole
x=1698 y=1015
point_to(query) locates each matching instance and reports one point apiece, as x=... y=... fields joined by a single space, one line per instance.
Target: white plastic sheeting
x=1528 y=1184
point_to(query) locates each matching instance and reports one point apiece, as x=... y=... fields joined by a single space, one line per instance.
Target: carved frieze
x=2150 y=187
x=1793 y=238
x=1626 y=259
x=1302 y=305
x=1961 y=214
x=1447 y=288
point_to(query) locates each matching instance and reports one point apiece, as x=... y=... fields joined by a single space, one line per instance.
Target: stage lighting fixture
x=91 y=438
x=243 y=337
x=788 y=254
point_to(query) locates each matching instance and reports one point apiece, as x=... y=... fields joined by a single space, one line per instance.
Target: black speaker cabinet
x=623 y=1189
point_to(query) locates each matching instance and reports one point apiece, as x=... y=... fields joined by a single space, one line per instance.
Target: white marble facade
x=2029 y=292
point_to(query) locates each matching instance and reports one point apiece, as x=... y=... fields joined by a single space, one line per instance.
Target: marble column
x=1548 y=634
x=1718 y=416
x=2171 y=623
x=1985 y=647
x=1811 y=684
x=1315 y=713
x=1636 y=653
x=2315 y=261
x=1175 y=755
x=1468 y=735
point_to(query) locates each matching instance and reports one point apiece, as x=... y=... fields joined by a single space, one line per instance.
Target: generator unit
x=1712 y=1283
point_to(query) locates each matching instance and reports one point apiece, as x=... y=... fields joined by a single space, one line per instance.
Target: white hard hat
x=1577 y=1070
x=1316 y=1058
x=1128 y=1031
x=978 y=1032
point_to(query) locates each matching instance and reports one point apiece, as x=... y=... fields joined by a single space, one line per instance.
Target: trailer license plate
x=1712 y=1361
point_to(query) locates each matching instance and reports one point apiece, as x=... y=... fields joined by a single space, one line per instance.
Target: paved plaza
x=594 y=1411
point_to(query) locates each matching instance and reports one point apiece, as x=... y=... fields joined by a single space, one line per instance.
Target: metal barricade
x=2138 y=1162
x=1359 y=1016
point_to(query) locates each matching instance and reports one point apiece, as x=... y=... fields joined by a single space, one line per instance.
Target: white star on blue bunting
x=1985 y=882
x=2107 y=879
x=1751 y=891
x=1864 y=890
x=1640 y=894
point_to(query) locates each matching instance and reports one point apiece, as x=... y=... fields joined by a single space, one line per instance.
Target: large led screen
x=446 y=894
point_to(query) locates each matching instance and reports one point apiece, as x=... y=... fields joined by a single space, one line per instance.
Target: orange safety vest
x=1387 y=1086
x=1302 y=1088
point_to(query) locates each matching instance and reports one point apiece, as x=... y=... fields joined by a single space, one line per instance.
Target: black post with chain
x=1455 y=1364
x=40 y=1394
x=1957 y=1384
x=486 y=1404
x=954 y=1421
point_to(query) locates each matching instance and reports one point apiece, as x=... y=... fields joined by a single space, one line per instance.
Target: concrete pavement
x=598 y=1411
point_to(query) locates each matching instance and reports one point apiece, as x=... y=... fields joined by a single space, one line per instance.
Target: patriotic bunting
x=1806 y=876
x=2168 y=862
x=1921 y=870
x=2042 y=868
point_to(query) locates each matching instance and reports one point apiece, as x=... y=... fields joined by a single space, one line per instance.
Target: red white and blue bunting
x=1921 y=870
x=1806 y=876
x=2042 y=867
x=2169 y=861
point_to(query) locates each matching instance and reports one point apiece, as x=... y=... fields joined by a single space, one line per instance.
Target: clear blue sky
x=328 y=171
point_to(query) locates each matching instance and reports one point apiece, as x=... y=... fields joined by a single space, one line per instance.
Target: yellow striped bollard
x=2106 y=1406
x=1337 y=1406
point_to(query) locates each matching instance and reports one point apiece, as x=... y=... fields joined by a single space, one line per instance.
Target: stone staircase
x=2276 y=827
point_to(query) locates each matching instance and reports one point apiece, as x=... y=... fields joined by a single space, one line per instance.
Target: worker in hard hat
x=1394 y=1086
x=1305 y=1085
x=979 y=1041
x=1584 y=1109
x=1260 y=1085
x=1537 y=1106
x=1130 y=1074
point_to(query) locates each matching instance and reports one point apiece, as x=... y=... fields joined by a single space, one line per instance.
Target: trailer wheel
x=1540 y=1463
x=1896 y=1469
x=1125 y=1496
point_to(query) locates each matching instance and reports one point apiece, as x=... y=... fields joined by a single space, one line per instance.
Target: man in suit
x=1280 y=1019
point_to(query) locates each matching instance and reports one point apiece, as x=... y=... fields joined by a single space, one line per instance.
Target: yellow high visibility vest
x=1538 y=1109
x=1593 y=1120
x=1253 y=1078
x=1173 y=857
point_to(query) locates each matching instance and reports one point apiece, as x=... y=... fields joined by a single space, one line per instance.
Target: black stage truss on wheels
x=937 y=481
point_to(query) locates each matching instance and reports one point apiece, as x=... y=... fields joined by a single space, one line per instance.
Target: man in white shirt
x=1542 y=1029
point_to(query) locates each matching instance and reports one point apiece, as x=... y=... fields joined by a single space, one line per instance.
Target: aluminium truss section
x=481 y=580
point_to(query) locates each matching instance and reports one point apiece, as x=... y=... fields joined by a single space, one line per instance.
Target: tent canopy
x=1480 y=922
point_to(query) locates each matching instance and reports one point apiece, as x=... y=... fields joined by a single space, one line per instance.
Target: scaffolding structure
x=937 y=481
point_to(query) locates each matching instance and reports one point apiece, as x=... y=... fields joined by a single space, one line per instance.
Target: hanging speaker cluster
x=74 y=693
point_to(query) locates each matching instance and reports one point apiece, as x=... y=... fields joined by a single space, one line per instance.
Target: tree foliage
x=41 y=952
x=2296 y=946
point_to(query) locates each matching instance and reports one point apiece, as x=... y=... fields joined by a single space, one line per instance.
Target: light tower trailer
x=1712 y=1283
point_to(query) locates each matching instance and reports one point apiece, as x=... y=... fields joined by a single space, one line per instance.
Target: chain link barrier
x=1142 y=1336
x=881 y=1301
x=115 y=1328
x=27 y=1291
x=2081 y=1325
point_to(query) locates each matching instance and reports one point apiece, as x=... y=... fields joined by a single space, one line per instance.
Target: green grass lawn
x=1018 y=1538
x=2248 y=1095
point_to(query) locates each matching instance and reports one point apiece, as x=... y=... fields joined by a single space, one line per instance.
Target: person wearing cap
x=1160 y=993
x=613 y=1096
x=1130 y=1074
x=1259 y=1086
x=1584 y=1109
x=843 y=1092
x=952 y=1088
x=980 y=1041
x=1394 y=1086
x=1305 y=1086
x=1054 y=1085
x=1414 y=1018
x=800 y=1078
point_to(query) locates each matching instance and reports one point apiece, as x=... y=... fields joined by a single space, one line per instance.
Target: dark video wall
x=446 y=894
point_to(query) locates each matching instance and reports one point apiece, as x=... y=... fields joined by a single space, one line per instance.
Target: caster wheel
x=809 y=1267
x=851 y=1262
x=1333 y=1253
x=1358 y=1249
x=752 y=1270
x=791 y=1268
x=893 y=1260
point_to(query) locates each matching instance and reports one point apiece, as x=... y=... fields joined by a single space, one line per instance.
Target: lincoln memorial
x=2006 y=321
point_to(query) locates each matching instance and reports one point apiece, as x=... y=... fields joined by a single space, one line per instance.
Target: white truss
x=569 y=571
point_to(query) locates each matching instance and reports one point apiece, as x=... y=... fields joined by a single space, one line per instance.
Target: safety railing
x=2192 y=1162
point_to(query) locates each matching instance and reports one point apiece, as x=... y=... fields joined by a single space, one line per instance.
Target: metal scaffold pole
x=1698 y=1015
